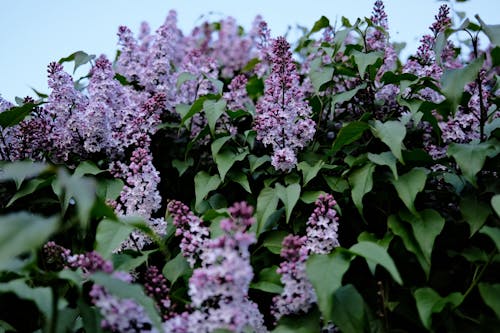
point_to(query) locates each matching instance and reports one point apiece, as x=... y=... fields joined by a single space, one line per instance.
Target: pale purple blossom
x=282 y=115
x=322 y=226
x=120 y=314
x=298 y=294
x=219 y=288
x=190 y=227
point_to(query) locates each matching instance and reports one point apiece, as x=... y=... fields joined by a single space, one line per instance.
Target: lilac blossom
x=90 y=262
x=298 y=294
x=322 y=226
x=237 y=96
x=55 y=256
x=120 y=314
x=219 y=288
x=139 y=195
x=191 y=228
x=155 y=286
x=232 y=50
x=65 y=105
x=282 y=116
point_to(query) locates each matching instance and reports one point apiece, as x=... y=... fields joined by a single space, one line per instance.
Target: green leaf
x=336 y=184
x=41 y=296
x=22 y=232
x=309 y=172
x=377 y=254
x=386 y=158
x=490 y=30
x=87 y=168
x=241 y=178
x=426 y=227
x=256 y=162
x=269 y=281
x=392 y=134
x=81 y=189
x=325 y=271
x=213 y=111
x=348 y=311
x=347 y=96
x=348 y=134
x=320 y=75
x=363 y=60
x=184 y=77
x=182 y=166
x=323 y=22
x=491 y=296
x=267 y=202
x=217 y=145
x=204 y=184
x=310 y=196
x=403 y=230
x=470 y=157
x=495 y=203
x=361 y=181
x=272 y=240
x=493 y=233
x=307 y=323
x=15 y=115
x=30 y=187
x=109 y=235
x=19 y=171
x=124 y=290
x=176 y=268
x=453 y=81
x=226 y=158
x=79 y=57
x=475 y=212
x=409 y=185
x=429 y=302
x=289 y=196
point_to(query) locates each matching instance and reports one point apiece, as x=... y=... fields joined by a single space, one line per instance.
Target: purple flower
x=298 y=293
x=191 y=228
x=322 y=226
x=155 y=286
x=282 y=116
x=219 y=288
x=120 y=315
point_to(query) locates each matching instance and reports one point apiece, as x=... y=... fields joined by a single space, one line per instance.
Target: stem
x=480 y=274
x=482 y=108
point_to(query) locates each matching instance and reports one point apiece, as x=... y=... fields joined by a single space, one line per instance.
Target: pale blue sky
x=35 y=32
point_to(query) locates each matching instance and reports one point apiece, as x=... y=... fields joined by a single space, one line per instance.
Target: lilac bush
x=223 y=180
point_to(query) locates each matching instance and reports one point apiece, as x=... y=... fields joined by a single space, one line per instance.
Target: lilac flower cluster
x=219 y=288
x=322 y=226
x=298 y=294
x=155 y=286
x=120 y=314
x=191 y=228
x=321 y=237
x=424 y=63
x=282 y=115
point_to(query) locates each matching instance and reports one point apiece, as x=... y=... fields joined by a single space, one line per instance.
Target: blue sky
x=34 y=32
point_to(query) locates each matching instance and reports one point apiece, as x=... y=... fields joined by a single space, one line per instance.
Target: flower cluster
x=321 y=237
x=298 y=294
x=191 y=228
x=219 y=288
x=322 y=226
x=120 y=314
x=282 y=116
x=155 y=286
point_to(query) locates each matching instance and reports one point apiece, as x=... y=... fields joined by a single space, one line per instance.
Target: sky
x=33 y=32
